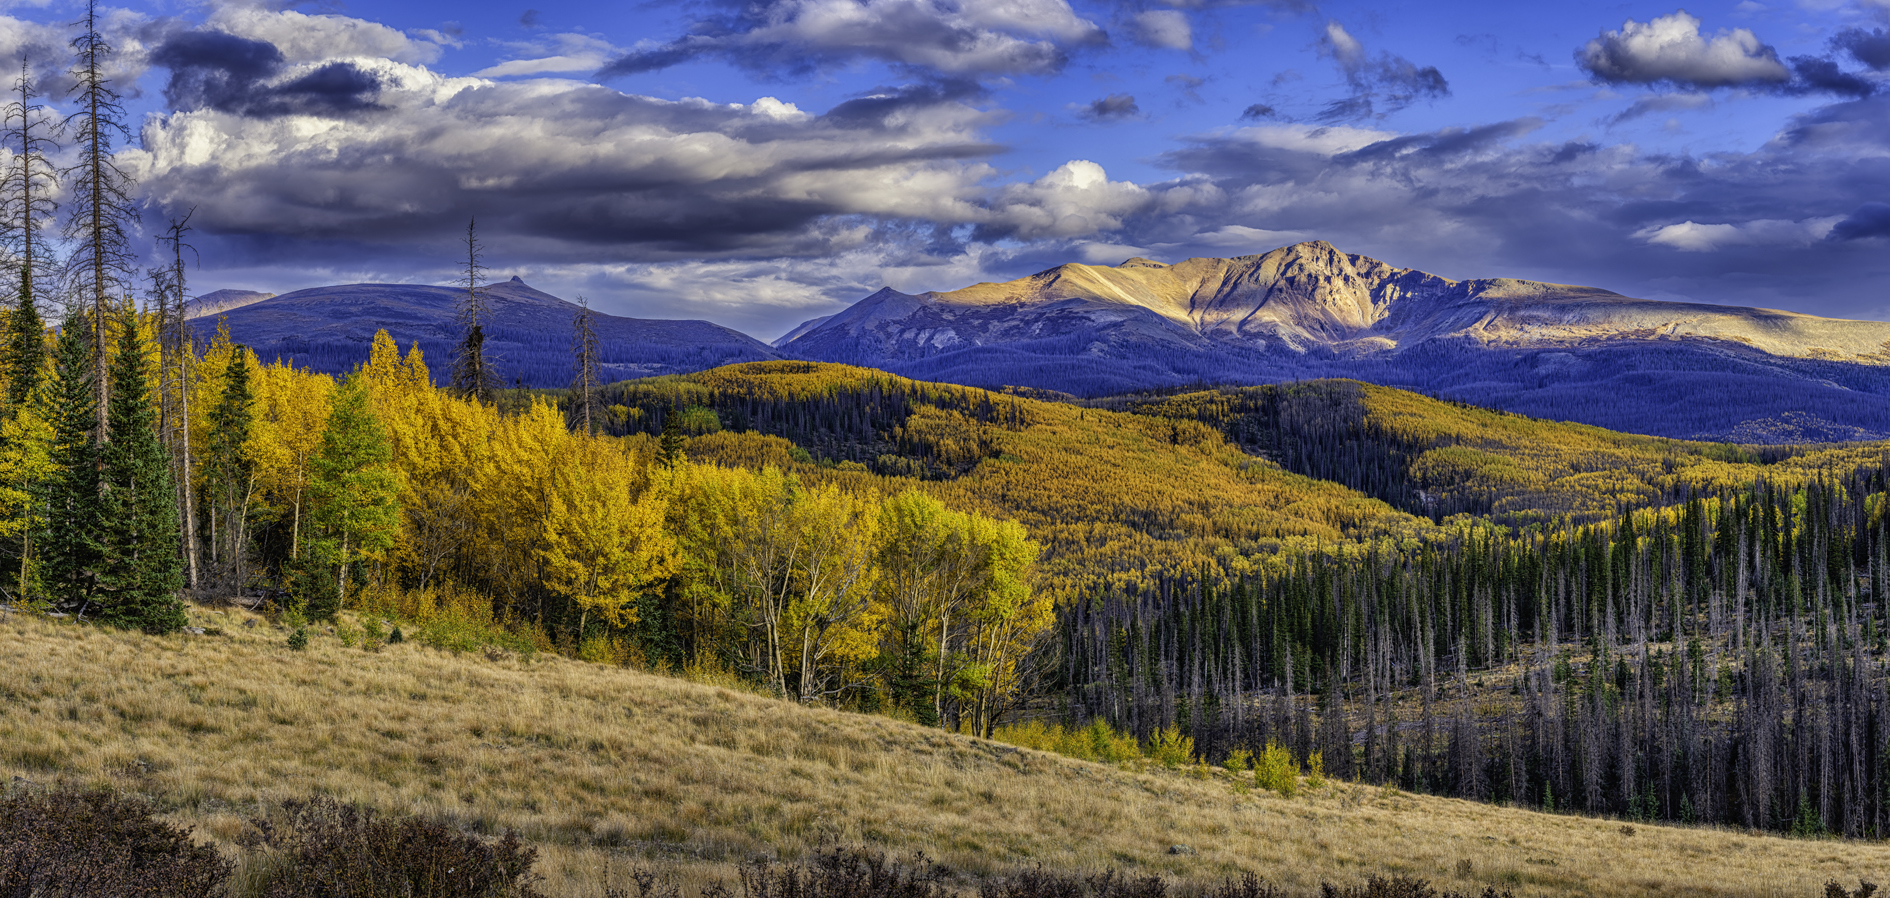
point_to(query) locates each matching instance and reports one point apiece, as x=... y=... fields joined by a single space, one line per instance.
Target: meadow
x=604 y=768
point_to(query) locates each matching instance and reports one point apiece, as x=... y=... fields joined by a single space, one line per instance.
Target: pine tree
x=141 y=570
x=354 y=494
x=70 y=547
x=670 y=446
x=229 y=473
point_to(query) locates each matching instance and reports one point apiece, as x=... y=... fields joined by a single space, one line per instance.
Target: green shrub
x=1316 y=771
x=1169 y=747
x=1277 y=770
x=298 y=640
x=1096 y=742
x=1238 y=761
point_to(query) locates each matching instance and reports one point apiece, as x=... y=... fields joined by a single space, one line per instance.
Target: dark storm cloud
x=973 y=38
x=1871 y=48
x=1114 y=107
x=573 y=172
x=1256 y=112
x=1870 y=220
x=240 y=76
x=1381 y=84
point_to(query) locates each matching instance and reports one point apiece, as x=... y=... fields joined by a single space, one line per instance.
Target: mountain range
x=528 y=332
x=1309 y=310
x=1298 y=312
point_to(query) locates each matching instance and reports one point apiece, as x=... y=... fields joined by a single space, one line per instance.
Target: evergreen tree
x=229 y=473
x=670 y=447
x=141 y=570
x=70 y=547
x=353 y=489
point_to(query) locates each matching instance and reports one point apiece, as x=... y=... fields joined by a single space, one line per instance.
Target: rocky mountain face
x=528 y=332
x=1310 y=310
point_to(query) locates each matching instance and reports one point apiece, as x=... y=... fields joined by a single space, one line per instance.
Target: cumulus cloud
x=1381 y=84
x=1075 y=200
x=1670 y=49
x=1111 y=108
x=1164 y=29
x=304 y=38
x=1693 y=237
x=967 y=39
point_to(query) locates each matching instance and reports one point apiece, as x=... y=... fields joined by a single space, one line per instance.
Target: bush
x=1238 y=761
x=74 y=844
x=332 y=849
x=1096 y=742
x=1277 y=770
x=1170 y=747
x=298 y=640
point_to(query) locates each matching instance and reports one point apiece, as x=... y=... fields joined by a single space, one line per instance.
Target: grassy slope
x=602 y=766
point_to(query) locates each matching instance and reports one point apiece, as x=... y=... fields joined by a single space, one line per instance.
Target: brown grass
x=602 y=767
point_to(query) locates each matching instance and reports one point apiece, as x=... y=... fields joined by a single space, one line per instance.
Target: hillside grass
x=604 y=767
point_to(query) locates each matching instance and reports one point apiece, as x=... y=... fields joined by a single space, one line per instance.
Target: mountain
x=1309 y=310
x=219 y=301
x=528 y=332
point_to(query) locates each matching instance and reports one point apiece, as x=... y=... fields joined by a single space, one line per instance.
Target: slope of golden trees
x=384 y=492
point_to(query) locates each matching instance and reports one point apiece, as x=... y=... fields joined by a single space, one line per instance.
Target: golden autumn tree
x=602 y=540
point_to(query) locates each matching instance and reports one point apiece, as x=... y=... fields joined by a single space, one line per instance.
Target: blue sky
x=760 y=163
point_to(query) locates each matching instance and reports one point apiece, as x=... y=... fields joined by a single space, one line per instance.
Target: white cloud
x=1693 y=237
x=1075 y=200
x=1671 y=49
x=966 y=38
x=1164 y=28
x=313 y=38
x=555 y=55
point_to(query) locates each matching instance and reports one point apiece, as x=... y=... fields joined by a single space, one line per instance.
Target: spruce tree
x=229 y=473
x=70 y=547
x=141 y=570
x=670 y=445
x=354 y=494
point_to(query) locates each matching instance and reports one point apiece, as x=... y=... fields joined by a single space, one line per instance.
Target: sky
x=761 y=162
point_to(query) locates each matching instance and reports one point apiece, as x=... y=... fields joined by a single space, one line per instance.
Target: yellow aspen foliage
x=292 y=408
x=25 y=463
x=436 y=442
x=602 y=540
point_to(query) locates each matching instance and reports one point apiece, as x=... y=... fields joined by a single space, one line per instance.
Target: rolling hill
x=1310 y=310
x=528 y=334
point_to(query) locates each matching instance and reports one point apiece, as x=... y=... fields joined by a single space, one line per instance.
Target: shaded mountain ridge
x=528 y=332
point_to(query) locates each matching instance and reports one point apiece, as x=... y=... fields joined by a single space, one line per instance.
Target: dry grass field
x=603 y=768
